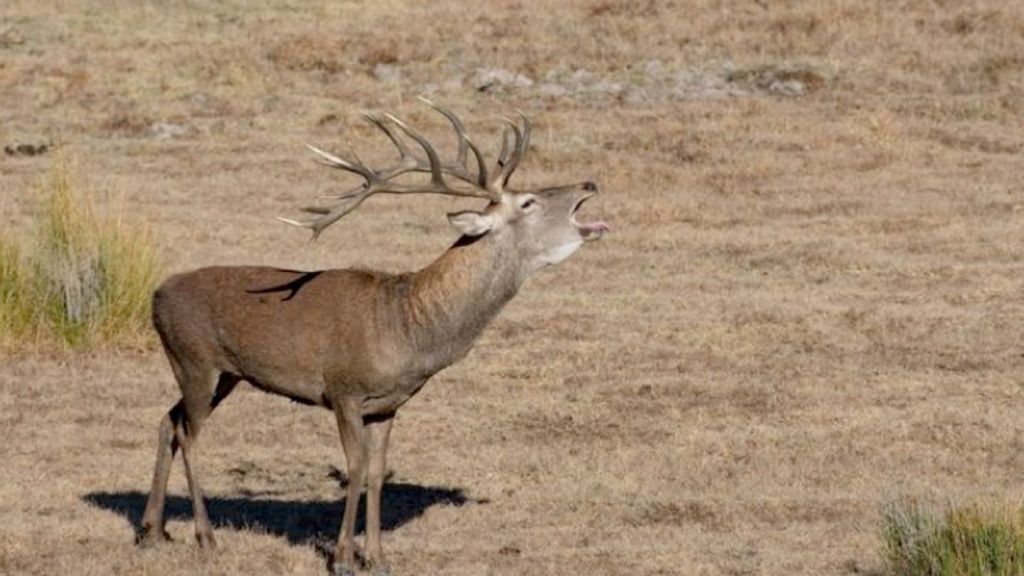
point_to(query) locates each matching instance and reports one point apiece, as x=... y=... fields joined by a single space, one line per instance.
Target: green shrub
x=84 y=280
x=981 y=540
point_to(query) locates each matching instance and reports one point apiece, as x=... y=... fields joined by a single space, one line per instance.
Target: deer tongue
x=592 y=230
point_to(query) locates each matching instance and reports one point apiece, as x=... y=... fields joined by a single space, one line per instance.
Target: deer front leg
x=377 y=432
x=350 y=427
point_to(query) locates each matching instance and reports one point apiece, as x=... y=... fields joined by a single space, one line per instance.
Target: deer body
x=317 y=337
x=357 y=342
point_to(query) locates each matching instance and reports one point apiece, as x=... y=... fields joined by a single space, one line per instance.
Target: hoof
x=207 y=541
x=340 y=570
x=148 y=537
x=378 y=568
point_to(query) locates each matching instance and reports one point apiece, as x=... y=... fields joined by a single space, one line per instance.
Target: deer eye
x=529 y=202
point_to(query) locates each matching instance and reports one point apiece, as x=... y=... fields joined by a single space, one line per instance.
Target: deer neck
x=453 y=299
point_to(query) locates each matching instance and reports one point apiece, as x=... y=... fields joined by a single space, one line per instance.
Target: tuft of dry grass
x=16 y=311
x=973 y=540
x=83 y=279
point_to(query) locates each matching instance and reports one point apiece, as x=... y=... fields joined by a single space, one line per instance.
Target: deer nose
x=589 y=186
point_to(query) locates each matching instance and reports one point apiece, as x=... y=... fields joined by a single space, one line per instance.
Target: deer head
x=540 y=223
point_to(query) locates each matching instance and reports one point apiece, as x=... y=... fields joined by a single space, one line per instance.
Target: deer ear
x=471 y=223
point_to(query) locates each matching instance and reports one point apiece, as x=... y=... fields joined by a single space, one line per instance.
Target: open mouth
x=588 y=230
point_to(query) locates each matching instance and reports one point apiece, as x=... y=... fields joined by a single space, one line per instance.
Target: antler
x=506 y=164
x=483 y=184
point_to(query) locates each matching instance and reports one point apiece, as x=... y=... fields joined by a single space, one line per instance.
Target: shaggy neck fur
x=453 y=299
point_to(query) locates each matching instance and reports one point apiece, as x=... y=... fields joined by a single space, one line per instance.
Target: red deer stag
x=357 y=342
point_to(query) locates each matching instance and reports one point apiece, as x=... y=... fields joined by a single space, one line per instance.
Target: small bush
x=83 y=280
x=974 y=540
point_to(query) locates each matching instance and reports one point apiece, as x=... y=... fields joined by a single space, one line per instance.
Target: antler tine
x=510 y=154
x=336 y=162
x=407 y=161
x=505 y=148
x=497 y=180
x=464 y=143
x=347 y=194
x=523 y=144
x=460 y=130
x=436 y=176
x=330 y=216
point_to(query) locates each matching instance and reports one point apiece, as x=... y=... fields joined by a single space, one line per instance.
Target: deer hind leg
x=350 y=427
x=179 y=429
x=200 y=398
x=152 y=529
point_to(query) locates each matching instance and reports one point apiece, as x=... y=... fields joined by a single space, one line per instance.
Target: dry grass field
x=812 y=300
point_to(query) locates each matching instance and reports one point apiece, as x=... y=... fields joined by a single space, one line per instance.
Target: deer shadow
x=304 y=522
